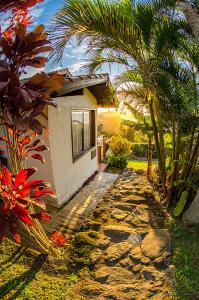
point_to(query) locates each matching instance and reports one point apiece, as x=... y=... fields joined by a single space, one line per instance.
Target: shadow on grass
x=12 y=259
x=20 y=282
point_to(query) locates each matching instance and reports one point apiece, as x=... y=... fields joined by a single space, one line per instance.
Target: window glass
x=77 y=128
x=87 y=130
x=83 y=131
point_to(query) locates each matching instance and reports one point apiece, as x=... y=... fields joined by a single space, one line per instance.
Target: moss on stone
x=80 y=249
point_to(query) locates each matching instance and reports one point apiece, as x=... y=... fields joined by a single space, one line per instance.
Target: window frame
x=93 y=131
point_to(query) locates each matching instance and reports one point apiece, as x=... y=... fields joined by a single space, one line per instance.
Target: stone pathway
x=123 y=252
x=72 y=215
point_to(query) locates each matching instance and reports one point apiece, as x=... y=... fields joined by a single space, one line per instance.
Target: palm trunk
x=155 y=131
x=175 y=173
x=188 y=155
x=161 y=142
x=149 y=166
x=192 y=16
x=193 y=158
x=173 y=139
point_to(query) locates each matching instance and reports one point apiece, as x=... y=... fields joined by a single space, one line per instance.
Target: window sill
x=76 y=158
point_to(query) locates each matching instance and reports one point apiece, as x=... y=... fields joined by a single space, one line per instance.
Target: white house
x=72 y=158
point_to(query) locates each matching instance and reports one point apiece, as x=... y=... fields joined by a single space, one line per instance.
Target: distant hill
x=110 y=121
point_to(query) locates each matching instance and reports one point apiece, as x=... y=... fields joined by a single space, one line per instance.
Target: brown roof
x=98 y=84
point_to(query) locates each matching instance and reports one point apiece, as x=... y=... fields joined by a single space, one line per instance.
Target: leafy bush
x=119 y=145
x=118 y=161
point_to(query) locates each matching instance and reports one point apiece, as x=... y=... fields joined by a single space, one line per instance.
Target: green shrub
x=119 y=145
x=118 y=161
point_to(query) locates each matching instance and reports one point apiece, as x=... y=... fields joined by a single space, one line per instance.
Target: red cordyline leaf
x=34 y=144
x=38 y=202
x=26 y=140
x=34 y=201
x=40 y=193
x=39 y=148
x=39 y=157
x=10 y=131
x=6 y=177
x=14 y=232
x=3 y=138
x=7 y=35
x=22 y=214
x=43 y=216
x=2 y=229
x=35 y=184
x=22 y=176
x=21 y=193
x=58 y=239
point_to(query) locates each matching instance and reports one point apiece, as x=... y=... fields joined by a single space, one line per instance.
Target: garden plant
x=21 y=112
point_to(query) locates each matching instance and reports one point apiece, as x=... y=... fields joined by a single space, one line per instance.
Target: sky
x=74 y=56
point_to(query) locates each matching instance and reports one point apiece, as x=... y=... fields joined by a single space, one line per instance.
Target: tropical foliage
x=119 y=150
x=119 y=145
x=155 y=44
x=21 y=112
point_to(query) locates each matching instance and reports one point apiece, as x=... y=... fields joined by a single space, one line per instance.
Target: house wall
x=44 y=170
x=65 y=175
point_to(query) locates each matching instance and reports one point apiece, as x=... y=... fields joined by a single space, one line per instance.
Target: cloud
x=31 y=71
x=68 y=55
x=81 y=49
x=76 y=67
x=36 y=12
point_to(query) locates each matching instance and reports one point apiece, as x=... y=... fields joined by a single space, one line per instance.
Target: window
x=83 y=131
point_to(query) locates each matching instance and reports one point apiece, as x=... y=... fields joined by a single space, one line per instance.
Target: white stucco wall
x=68 y=176
x=44 y=170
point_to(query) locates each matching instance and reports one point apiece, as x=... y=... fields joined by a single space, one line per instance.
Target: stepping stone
x=118 y=215
x=135 y=199
x=135 y=255
x=117 y=233
x=116 y=252
x=155 y=243
x=113 y=275
x=125 y=206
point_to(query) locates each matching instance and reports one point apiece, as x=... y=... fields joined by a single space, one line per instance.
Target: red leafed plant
x=58 y=239
x=22 y=104
x=26 y=146
x=17 y=195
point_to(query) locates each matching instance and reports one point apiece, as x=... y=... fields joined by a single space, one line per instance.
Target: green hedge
x=118 y=161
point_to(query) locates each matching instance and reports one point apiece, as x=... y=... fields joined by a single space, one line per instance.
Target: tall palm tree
x=155 y=45
x=126 y=33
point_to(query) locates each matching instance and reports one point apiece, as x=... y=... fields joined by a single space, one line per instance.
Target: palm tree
x=191 y=12
x=126 y=33
x=153 y=44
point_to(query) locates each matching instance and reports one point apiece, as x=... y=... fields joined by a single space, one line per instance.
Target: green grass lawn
x=186 y=261
x=26 y=275
x=138 y=164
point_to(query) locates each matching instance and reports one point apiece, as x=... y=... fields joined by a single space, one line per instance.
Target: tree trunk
x=175 y=173
x=192 y=16
x=161 y=142
x=149 y=166
x=155 y=131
